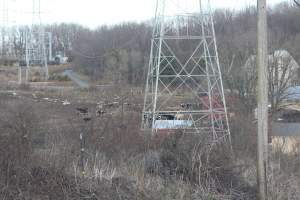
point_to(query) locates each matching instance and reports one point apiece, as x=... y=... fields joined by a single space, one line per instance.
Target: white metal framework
x=7 y=23
x=35 y=47
x=4 y=27
x=184 y=88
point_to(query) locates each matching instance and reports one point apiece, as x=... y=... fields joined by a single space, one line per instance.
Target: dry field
x=40 y=131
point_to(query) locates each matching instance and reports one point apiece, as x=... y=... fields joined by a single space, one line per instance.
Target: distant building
x=283 y=72
x=282 y=66
x=284 y=131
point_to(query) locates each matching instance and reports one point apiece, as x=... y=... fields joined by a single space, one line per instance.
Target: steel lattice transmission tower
x=4 y=28
x=35 y=47
x=7 y=23
x=184 y=88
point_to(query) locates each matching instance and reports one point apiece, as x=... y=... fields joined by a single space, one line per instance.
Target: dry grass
x=180 y=168
x=8 y=74
x=55 y=69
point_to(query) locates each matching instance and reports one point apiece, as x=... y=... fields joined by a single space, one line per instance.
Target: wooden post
x=262 y=64
x=82 y=150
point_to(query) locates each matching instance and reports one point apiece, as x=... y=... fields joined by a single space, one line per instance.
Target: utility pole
x=262 y=64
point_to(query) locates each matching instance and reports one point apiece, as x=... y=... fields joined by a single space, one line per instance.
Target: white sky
x=93 y=13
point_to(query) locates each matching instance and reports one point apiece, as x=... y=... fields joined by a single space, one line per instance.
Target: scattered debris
x=66 y=102
x=100 y=103
x=100 y=110
x=83 y=110
x=116 y=97
x=84 y=113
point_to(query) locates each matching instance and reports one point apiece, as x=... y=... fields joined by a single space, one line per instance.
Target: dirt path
x=76 y=79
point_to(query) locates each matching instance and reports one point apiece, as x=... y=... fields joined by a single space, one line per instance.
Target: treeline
x=120 y=53
x=236 y=37
x=117 y=54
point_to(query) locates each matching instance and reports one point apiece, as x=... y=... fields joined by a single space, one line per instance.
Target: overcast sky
x=93 y=13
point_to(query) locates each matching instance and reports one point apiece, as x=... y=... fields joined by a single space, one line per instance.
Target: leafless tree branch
x=297 y=2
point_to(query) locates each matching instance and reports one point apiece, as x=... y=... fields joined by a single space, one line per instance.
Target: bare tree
x=282 y=74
